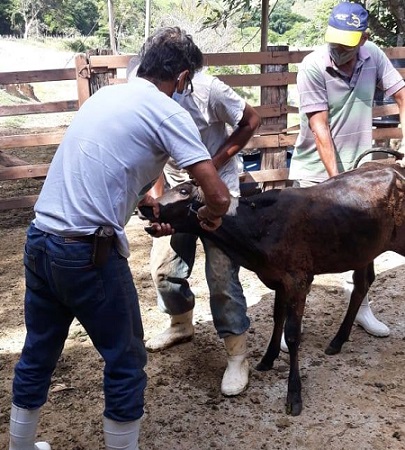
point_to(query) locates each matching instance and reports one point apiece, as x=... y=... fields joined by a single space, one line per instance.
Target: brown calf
x=287 y=236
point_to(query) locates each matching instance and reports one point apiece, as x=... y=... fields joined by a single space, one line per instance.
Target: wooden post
x=111 y=27
x=82 y=78
x=101 y=76
x=277 y=96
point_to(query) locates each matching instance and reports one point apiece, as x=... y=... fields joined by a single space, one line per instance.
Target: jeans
x=172 y=260
x=62 y=283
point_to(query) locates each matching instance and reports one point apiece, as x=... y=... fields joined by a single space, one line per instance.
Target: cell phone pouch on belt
x=103 y=241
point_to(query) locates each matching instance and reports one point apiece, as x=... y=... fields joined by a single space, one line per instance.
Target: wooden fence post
x=277 y=96
x=101 y=76
x=82 y=78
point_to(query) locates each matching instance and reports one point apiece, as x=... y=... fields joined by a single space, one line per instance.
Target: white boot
x=23 y=428
x=121 y=435
x=236 y=376
x=283 y=343
x=181 y=330
x=365 y=317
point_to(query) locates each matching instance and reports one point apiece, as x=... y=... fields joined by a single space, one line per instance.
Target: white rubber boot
x=121 y=435
x=181 y=330
x=236 y=376
x=23 y=428
x=283 y=343
x=365 y=317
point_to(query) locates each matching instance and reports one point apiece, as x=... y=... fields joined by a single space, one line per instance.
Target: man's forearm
x=216 y=194
x=319 y=125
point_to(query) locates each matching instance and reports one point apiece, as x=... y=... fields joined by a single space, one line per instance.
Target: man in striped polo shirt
x=336 y=84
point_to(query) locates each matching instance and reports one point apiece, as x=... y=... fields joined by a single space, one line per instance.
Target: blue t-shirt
x=112 y=153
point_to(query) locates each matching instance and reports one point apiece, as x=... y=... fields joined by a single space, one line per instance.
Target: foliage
x=387 y=21
x=5 y=17
x=72 y=17
x=81 y=45
x=281 y=19
x=218 y=25
x=222 y=12
x=387 y=18
x=129 y=22
x=312 y=33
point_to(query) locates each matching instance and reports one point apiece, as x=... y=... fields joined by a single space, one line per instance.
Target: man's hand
x=208 y=221
x=160 y=229
x=156 y=229
x=148 y=200
x=401 y=149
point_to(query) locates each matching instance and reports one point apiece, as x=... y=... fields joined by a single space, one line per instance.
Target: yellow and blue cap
x=346 y=24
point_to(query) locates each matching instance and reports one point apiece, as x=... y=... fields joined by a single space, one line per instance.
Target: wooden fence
x=276 y=71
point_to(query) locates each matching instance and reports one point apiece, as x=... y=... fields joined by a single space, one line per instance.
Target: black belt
x=89 y=238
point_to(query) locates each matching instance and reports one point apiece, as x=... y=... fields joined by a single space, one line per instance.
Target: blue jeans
x=62 y=283
x=172 y=260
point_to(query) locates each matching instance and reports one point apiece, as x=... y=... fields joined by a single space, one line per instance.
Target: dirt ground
x=352 y=401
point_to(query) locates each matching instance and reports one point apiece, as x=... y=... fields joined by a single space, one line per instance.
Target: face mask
x=341 y=56
x=180 y=96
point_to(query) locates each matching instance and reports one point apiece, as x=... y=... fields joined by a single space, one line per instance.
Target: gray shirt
x=216 y=109
x=349 y=101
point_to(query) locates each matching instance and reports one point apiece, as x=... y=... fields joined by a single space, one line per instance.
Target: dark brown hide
x=287 y=236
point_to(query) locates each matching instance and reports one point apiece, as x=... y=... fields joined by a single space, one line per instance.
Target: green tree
x=387 y=17
x=387 y=21
x=129 y=22
x=72 y=17
x=5 y=20
x=24 y=14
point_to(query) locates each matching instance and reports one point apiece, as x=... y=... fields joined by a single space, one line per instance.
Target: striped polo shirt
x=349 y=100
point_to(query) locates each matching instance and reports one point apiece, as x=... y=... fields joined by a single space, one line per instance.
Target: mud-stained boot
x=236 y=376
x=121 y=435
x=181 y=330
x=23 y=428
x=365 y=317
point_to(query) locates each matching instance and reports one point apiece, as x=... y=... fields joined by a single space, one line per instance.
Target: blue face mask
x=341 y=55
x=180 y=96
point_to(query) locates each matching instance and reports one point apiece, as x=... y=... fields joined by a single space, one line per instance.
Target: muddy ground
x=352 y=401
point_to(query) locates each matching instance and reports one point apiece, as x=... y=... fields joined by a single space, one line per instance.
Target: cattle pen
x=266 y=84
x=352 y=401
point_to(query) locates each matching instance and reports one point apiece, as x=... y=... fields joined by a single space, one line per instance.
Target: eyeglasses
x=189 y=85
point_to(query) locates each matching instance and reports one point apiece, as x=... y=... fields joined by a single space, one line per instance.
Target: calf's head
x=178 y=207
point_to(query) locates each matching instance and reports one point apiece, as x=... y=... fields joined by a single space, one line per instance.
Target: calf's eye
x=183 y=191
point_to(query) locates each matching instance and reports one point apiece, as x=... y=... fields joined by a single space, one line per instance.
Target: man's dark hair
x=167 y=53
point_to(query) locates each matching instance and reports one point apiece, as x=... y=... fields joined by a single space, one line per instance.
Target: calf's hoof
x=333 y=348
x=264 y=366
x=294 y=407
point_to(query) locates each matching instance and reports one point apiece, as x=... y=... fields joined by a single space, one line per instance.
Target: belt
x=89 y=238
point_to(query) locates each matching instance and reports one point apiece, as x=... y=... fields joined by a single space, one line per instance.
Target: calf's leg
x=362 y=278
x=295 y=311
x=273 y=349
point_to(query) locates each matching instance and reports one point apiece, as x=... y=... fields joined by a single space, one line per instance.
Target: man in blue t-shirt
x=76 y=250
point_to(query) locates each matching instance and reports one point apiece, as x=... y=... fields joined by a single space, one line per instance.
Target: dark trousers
x=62 y=283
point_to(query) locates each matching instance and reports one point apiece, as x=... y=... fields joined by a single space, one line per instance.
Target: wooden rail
x=275 y=72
